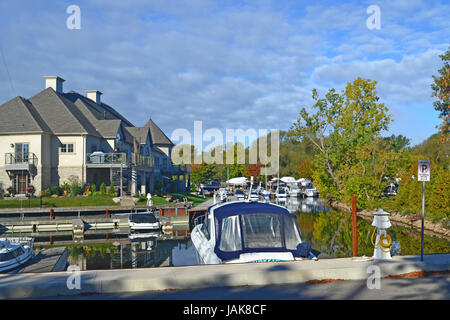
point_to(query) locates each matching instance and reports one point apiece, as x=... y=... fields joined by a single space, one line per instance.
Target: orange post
x=107 y=213
x=355 y=236
x=51 y=214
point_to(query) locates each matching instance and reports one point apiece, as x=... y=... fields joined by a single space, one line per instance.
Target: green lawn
x=49 y=202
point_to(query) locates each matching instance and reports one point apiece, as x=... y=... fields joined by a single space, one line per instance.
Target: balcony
x=106 y=160
x=20 y=162
x=141 y=160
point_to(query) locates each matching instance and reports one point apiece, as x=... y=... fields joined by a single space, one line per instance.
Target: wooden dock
x=47 y=260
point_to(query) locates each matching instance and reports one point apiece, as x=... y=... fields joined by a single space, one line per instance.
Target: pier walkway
x=52 y=284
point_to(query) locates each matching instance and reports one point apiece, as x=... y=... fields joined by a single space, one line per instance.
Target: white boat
x=294 y=191
x=281 y=193
x=265 y=194
x=143 y=221
x=248 y=231
x=254 y=195
x=311 y=192
x=240 y=194
x=14 y=252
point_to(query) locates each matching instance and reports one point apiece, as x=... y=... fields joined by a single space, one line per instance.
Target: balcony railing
x=15 y=161
x=141 y=160
x=100 y=159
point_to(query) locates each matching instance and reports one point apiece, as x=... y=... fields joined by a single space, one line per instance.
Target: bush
x=93 y=188
x=75 y=189
x=103 y=188
x=55 y=190
x=111 y=189
x=46 y=193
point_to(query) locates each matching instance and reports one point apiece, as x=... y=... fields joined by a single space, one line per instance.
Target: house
x=55 y=137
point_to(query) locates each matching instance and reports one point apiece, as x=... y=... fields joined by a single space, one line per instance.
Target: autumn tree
x=441 y=90
x=345 y=129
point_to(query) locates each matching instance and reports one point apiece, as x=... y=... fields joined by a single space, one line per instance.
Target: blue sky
x=230 y=64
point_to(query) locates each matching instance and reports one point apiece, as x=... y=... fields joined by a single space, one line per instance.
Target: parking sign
x=424 y=170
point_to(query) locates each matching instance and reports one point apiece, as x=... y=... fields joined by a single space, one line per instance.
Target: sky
x=230 y=64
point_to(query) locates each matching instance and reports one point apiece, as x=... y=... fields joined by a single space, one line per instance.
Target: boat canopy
x=244 y=227
x=238 y=181
x=143 y=218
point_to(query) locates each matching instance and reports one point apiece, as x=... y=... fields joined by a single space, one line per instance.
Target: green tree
x=202 y=173
x=345 y=130
x=441 y=90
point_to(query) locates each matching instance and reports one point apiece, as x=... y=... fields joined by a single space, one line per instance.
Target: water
x=329 y=231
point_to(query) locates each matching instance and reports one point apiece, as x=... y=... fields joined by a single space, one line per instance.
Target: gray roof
x=140 y=133
x=158 y=136
x=60 y=114
x=16 y=116
x=72 y=113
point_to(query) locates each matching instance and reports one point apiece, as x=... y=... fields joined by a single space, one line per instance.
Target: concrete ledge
x=17 y=286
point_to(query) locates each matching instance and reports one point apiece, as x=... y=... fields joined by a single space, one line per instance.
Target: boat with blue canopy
x=248 y=231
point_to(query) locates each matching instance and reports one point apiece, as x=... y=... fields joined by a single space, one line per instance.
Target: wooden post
x=355 y=236
x=51 y=214
x=107 y=213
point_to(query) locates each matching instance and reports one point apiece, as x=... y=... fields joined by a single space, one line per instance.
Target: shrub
x=93 y=188
x=46 y=193
x=55 y=190
x=103 y=188
x=111 y=189
x=75 y=189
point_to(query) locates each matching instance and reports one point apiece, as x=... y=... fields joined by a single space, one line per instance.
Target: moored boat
x=143 y=221
x=248 y=231
x=14 y=252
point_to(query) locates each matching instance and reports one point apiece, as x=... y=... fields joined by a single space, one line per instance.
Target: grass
x=49 y=202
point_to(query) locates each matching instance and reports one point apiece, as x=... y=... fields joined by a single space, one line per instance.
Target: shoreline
x=430 y=228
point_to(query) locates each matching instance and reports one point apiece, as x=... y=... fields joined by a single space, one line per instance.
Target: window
x=205 y=229
x=230 y=239
x=67 y=147
x=262 y=231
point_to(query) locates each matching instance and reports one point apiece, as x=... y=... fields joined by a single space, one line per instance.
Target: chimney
x=54 y=82
x=94 y=95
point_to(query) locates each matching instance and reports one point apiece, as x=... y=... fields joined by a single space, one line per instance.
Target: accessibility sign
x=424 y=170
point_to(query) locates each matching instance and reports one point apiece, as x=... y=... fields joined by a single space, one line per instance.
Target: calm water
x=328 y=231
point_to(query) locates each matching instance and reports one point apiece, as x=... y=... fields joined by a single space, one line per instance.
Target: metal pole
x=423 y=218
x=354 y=234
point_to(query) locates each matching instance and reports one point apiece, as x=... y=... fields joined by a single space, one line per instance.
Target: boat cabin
x=250 y=229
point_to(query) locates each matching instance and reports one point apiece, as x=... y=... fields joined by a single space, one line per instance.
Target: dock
x=47 y=260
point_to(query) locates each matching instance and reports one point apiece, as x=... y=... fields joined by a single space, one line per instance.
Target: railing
x=100 y=158
x=141 y=160
x=12 y=159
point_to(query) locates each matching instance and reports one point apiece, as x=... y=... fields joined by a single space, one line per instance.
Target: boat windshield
x=259 y=230
x=11 y=254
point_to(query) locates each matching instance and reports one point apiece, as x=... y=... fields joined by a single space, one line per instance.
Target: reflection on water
x=329 y=231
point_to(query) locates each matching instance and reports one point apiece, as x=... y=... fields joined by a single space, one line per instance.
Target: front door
x=22 y=184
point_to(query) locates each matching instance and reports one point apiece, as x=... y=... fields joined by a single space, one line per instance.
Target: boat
x=294 y=191
x=248 y=231
x=254 y=194
x=14 y=252
x=281 y=193
x=143 y=221
x=265 y=194
x=240 y=194
x=311 y=192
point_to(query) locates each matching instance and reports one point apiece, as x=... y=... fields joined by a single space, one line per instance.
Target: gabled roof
x=60 y=114
x=140 y=133
x=157 y=135
x=19 y=116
